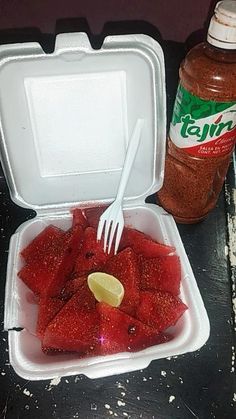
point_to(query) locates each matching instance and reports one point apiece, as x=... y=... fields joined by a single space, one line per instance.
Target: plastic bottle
x=203 y=128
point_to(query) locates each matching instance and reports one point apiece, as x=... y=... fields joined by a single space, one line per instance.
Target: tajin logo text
x=190 y=128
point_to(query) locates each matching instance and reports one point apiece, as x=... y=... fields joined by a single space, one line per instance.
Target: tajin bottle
x=203 y=128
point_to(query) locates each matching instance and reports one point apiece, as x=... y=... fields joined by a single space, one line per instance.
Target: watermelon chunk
x=120 y=332
x=48 y=276
x=72 y=286
x=163 y=273
x=124 y=266
x=40 y=245
x=143 y=244
x=93 y=215
x=92 y=256
x=159 y=310
x=48 y=308
x=75 y=327
x=79 y=218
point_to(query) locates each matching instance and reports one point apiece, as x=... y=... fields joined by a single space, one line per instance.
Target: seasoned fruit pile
x=57 y=266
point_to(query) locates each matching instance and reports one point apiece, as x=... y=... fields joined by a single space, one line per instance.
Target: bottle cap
x=222 y=28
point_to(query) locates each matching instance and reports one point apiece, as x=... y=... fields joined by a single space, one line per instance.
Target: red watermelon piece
x=143 y=244
x=48 y=276
x=93 y=215
x=162 y=273
x=75 y=327
x=159 y=310
x=124 y=266
x=72 y=286
x=92 y=256
x=79 y=218
x=40 y=245
x=48 y=308
x=120 y=332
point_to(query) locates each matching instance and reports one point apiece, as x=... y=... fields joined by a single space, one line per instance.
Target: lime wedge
x=106 y=288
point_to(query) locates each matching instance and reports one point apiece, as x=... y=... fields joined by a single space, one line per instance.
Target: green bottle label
x=203 y=127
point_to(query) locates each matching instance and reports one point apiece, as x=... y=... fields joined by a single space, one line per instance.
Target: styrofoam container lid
x=67 y=117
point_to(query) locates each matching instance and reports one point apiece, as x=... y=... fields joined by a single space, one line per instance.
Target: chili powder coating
x=203 y=128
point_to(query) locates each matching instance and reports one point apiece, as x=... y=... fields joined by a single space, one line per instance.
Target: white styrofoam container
x=66 y=119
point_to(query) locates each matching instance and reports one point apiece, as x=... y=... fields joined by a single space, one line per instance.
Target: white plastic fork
x=112 y=220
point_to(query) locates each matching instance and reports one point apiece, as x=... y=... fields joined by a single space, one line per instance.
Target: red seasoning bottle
x=203 y=128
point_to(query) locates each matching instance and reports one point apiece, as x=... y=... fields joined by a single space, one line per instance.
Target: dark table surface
x=195 y=385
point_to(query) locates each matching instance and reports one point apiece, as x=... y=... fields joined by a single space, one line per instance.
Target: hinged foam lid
x=66 y=119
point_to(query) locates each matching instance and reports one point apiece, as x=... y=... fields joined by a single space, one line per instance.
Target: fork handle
x=129 y=158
